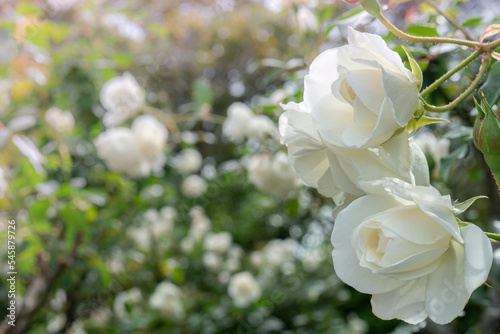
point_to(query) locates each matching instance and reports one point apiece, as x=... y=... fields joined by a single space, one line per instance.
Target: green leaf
x=491 y=87
x=203 y=92
x=351 y=14
x=461 y=207
x=74 y=220
x=25 y=8
x=473 y=22
x=422 y=31
x=424 y=120
x=415 y=68
x=38 y=209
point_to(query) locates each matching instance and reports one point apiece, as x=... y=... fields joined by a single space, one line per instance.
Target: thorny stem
x=467 y=92
x=420 y=39
x=448 y=74
x=450 y=19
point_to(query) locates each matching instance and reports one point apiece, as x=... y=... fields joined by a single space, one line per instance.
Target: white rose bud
x=122 y=97
x=405 y=247
x=361 y=93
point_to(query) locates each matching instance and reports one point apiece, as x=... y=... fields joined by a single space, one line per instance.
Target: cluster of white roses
x=395 y=236
x=135 y=151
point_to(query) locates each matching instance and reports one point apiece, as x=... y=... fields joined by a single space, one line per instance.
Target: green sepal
x=422 y=121
x=415 y=68
x=461 y=207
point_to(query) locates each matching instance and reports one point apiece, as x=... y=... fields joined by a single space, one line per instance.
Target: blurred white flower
x=273 y=174
x=119 y=150
x=129 y=297
x=200 y=224
x=4 y=185
x=244 y=289
x=193 y=186
x=140 y=236
x=260 y=126
x=137 y=151
x=61 y=121
x=21 y=123
x=126 y=28
x=151 y=137
x=29 y=149
x=236 y=123
x=278 y=252
x=212 y=260
x=306 y=20
x=218 y=242
x=431 y=145
x=167 y=298
x=122 y=97
x=188 y=161
x=56 y=323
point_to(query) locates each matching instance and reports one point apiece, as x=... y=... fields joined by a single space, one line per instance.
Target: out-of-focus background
x=184 y=215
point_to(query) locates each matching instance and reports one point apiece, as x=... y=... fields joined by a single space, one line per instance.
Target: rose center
x=347 y=92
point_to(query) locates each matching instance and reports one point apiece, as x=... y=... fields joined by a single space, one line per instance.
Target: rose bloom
x=122 y=97
x=361 y=93
x=244 y=289
x=342 y=173
x=404 y=246
x=188 y=161
x=61 y=121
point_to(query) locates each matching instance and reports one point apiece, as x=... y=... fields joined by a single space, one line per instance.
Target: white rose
x=235 y=125
x=122 y=97
x=343 y=173
x=244 y=289
x=151 y=137
x=119 y=150
x=361 y=93
x=406 y=248
x=61 y=121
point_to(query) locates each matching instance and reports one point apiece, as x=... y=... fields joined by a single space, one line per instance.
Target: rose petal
x=405 y=303
x=446 y=294
x=478 y=257
x=345 y=260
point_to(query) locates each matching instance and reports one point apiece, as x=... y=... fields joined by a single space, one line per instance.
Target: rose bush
x=404 y=246
x=361 y=93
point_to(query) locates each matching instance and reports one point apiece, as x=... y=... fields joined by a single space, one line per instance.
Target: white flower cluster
x=242 y=123
x=395 y=236
x=135 y=151
x=154 y=225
